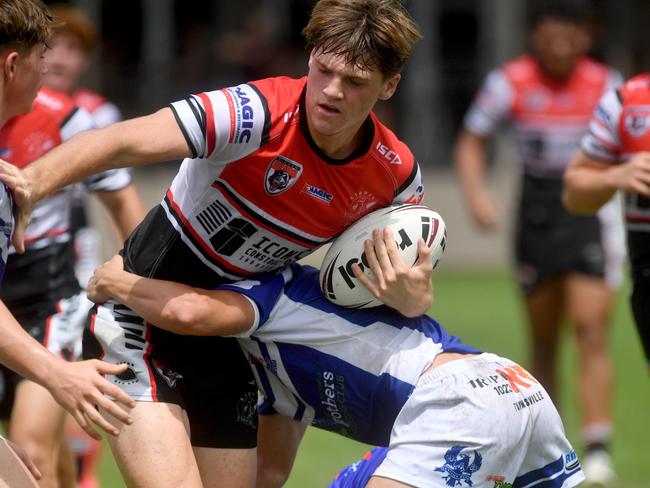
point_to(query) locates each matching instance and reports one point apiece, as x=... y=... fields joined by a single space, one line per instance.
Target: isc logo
x=388 y=153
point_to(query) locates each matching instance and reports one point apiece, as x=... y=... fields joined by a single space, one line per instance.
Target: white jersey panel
x=106 y=114
x=6 y=226
x=602 y=141
x=492 y=106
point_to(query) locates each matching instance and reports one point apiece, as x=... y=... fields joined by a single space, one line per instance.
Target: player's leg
x=226 y=468
x=67 y=466
x=278 y=439
x=155 y=449
x=86 y=453
x=544 y=307
x=36 y=424
x=220 y=397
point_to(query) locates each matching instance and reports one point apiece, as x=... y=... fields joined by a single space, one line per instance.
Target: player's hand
x=633 y=176
x=485 y=211
x=98 y=287
x=406 y=289
x=24 y=457
x=81 y=389
x=21 y=189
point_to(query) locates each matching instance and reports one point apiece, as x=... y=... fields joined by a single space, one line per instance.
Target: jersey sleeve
x=263 y=292
x=110 y=180
x=412 y=189
x=602 y=141
x=491 y=106
x=106 y=114
x=6 y=226
x=78 y=120
x=223 y=124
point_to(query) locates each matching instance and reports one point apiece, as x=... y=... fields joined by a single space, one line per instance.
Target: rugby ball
x=408 y=223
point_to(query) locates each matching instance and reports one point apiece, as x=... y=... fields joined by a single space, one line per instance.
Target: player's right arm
x=78 y=387
x=173 y=306
x=139 y=141
x=470 y=164
x=490 y=107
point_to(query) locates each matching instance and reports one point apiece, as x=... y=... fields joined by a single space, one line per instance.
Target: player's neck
x=340 y=145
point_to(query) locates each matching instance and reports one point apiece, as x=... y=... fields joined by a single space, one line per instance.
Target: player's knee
x=271 y=476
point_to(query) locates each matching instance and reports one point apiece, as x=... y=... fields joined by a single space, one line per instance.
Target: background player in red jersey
x=567 y=266
x=68 y=59
x=24 y=30
x=614 y=155
x=220 y=220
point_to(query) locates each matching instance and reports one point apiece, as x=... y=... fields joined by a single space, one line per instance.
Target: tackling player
x=446 y=412
x=275 y=168
x=567 y=266
x=24 y=30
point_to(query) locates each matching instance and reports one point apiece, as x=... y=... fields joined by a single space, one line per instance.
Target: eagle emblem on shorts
x=281 y=174
x=457 y=467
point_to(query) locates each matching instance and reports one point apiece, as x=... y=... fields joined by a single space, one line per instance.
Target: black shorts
x=639 y=251
x=550 y=241
x=207 y=376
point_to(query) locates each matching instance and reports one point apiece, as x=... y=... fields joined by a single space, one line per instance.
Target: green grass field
x=485 y=310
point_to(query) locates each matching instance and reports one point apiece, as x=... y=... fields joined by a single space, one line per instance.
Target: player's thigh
x=380 y=482
x=36 y=418
x=226 y=468
x=155 y=449
x=589 y=300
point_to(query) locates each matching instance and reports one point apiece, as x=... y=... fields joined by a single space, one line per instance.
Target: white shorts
x=612 y=230
x=482 y=422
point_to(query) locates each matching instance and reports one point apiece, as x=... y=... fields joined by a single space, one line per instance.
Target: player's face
x=27 y=69
x=339 y=97
x=66 y=60
x=558 y=45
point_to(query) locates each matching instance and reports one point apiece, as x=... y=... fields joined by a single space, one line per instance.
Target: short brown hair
x=370 y=34
x=24 y=23
x=76 y=23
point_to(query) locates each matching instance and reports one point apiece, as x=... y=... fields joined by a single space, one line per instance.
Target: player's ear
x=389 y=87
x=10 y=64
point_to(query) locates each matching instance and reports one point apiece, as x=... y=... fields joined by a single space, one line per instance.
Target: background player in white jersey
x=275 y=168
x=448 y=414
x=567 y=266
x=68 y=59
x=24 y=30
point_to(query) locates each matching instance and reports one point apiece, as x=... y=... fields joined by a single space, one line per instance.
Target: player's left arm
x=172 y=306
x=125 y=207
x=409 y=290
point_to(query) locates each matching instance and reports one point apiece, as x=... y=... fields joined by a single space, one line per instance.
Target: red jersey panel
x=259 y=194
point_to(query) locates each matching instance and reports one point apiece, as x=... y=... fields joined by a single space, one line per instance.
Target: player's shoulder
x=53 y=103
x=521 y=68
x=89 y=100
x=389 y=149
x=591 y=70
x=638 y=85
x=282 y=93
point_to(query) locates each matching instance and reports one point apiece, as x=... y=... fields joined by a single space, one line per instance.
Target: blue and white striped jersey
x=348 y=371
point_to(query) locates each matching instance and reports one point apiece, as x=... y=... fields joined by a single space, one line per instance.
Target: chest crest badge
x=281 y=175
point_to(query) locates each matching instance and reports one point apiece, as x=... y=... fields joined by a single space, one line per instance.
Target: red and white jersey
x=259 y=194
x=103 y=111
x=620 y=127
x=54 y=119
x=548 y=118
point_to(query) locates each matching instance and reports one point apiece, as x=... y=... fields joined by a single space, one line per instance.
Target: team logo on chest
x=281 y=174
x=637 y=122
